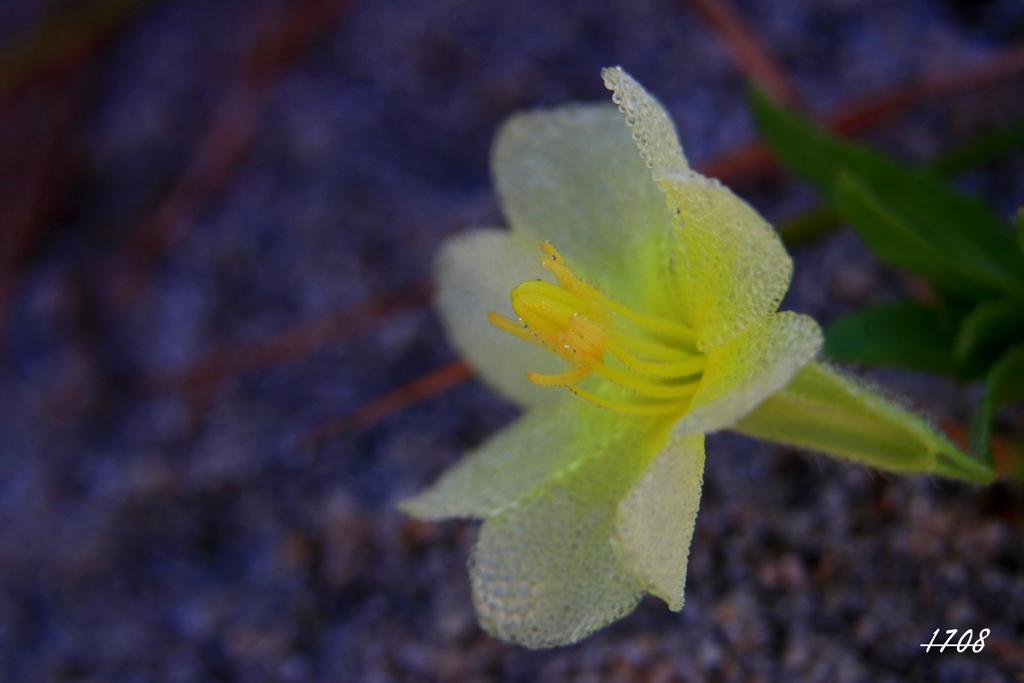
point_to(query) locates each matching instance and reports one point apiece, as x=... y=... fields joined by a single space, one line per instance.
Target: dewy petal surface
x=513 y=461
x=730 y=263
x=653 y=131
x=655 y=520
x=473 y=275
x=543 y=571
x=748 y=369
x=573 y=176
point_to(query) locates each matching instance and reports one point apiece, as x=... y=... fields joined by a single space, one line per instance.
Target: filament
x=653 y=358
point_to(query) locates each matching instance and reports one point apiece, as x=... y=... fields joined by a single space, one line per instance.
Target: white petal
x=544 y=572
x=473 y=275
x=730 y=265
x=654 y=524
x=653 y=130
x=512 y=462
x=572 y=176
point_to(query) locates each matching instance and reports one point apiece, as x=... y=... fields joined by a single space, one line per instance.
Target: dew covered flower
x=630 y=309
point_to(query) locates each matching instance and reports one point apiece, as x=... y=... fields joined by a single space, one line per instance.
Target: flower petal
x=473 y=275
x=730 y=264
x=572 y=176
x=543 y=571
x=653 y=130
x=748 y=369
x=512 y=462
x=654 y=523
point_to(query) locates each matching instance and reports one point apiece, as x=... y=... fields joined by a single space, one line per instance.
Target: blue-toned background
x=216 y=225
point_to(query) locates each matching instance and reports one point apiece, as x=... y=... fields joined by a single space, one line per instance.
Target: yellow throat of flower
x=654 y=359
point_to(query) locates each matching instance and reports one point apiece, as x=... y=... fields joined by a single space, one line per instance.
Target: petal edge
x=655 y=520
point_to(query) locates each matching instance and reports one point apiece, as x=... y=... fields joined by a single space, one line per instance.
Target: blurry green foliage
x=913 y=220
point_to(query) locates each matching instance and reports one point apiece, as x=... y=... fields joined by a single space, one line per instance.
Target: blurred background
x=219 y=368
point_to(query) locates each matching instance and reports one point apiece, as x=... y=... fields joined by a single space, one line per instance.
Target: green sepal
x=824 y=411
x=1005 y=383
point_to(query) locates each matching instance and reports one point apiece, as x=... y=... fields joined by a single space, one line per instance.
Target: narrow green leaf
x=980 y=151
x=825 y=411
x=972 y=242
x=1005 y=383
x=904 y=334
x=1019 y=224
x=891 y=238
x=820 y=219
x=991 y=326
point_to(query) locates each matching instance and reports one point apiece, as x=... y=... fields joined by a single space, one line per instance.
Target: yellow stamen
x=633 y=382
x=564 y=379
x=666 y=408
x=653 y=358
x=574 y=285
x=689 y=365
x=506 y=325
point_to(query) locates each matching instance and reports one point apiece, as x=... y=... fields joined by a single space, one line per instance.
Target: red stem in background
x=33 y=133
x=205 y=377
x=286 y=31
x=746 y=50
x=407 y=395
x=43 y=78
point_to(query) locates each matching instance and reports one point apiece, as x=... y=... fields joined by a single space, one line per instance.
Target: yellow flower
x=648 y=320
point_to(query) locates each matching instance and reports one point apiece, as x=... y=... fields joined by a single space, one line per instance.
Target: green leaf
x=988 y=328
x=892 y=239
x=820 y=219
x=980 y=151
x=825 y=411
x=977 y=257
x=1019 y=224
x=904 y=334
x=1005 y=383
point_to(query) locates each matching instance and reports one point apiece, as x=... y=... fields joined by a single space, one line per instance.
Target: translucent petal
x=730 y=264
x=573 y=176
x=654 y=523
x=512 y=462
x=543 y=571
x=473 y=275
x=653 y=130
x=748 y=369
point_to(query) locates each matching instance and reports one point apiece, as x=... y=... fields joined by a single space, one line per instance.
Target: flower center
x=653 y=359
